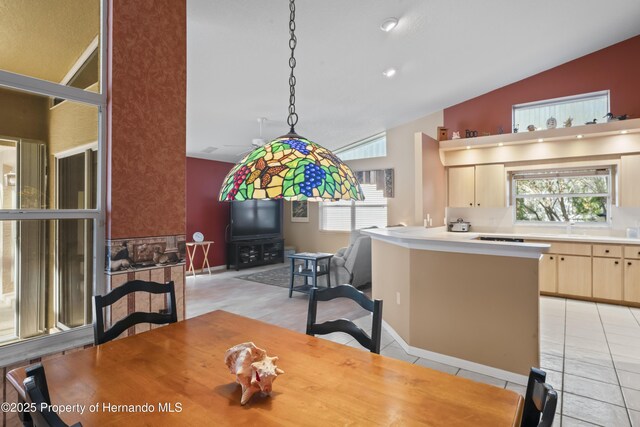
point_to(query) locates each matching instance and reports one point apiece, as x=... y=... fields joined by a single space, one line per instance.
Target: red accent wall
x=204 y=212
x=147 y=84
x=616 y=68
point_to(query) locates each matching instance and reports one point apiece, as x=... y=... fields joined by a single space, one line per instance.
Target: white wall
x=501 y=220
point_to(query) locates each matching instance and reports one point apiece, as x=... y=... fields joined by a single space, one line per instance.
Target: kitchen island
x=453 y=298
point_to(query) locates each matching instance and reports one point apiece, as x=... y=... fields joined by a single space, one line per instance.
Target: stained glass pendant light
x=291 y=167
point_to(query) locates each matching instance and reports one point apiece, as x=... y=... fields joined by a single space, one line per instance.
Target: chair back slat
x=346 y=291
x=343 y=325
x=540 y=401
x=37 y=392
x=101 y=301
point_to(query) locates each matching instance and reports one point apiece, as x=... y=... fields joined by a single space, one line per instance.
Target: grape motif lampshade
x=291 y=168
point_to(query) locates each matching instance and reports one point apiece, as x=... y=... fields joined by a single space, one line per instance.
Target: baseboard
x=454 y=361
x=206 y=271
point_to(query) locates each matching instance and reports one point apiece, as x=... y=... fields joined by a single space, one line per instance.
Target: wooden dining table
x=178 y=371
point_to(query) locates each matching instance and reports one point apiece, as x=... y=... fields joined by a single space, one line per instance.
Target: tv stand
x=252 y=253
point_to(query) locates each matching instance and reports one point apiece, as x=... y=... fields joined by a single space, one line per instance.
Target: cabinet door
x=632 y=280
x=629 y=177
x=548 y=273
x=461 y=187
x=574 y=275
x=490 y=186
x=607 y=278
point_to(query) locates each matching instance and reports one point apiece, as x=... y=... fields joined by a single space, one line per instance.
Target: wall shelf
x=558 y=134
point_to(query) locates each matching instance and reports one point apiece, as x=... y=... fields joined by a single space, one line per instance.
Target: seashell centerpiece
x=254 y=370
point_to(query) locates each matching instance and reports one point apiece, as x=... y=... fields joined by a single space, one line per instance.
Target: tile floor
x=591 y=352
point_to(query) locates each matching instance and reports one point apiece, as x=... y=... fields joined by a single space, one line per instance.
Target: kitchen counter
x=458 y=300
x=439 y=239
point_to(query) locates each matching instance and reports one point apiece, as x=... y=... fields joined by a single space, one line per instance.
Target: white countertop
x=439 y=239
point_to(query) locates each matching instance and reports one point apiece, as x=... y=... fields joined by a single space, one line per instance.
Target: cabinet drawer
x=607 y=251
x=632 y=252
x=582 y=249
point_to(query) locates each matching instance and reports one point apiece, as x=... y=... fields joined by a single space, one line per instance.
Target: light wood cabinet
x=548 y=273
x=574 y=275
x=607 y=251
x=629 y=178
x=607 y=278
x=477 y=186
x=490 y=186
x=564 y=248
x=632 y=252
x=462 y=187
x=631 y=292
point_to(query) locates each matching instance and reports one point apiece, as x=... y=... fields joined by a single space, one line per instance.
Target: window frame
x=561 y=100
x=362 y=143
x=31 y=348
x=352 y=212
x=611 y=195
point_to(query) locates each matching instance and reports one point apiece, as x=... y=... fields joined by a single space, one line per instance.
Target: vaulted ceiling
x=44 y=38
x=444 y=51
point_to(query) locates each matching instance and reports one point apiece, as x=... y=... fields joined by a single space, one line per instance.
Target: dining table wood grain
x=325 y=383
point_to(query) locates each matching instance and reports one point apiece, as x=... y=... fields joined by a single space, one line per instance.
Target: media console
x=252 y=253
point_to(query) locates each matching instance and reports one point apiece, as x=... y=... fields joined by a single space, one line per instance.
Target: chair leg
x=291 y=283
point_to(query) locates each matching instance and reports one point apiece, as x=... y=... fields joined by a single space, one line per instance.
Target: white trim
x=50 y=214
x=563 y=99
x=81 y=60
x=93 y=146
x=32 y=348
x=42 y=87
x=456 y=362
x=361 y=142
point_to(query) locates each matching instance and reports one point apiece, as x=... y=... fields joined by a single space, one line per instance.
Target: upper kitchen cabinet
x=490 y=186
x=629 y=178
x=477 y=186
x=462 y=187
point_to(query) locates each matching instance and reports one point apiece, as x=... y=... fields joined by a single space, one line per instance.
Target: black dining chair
x=539 y=402
x=37 y=393
x=343 y=325
x=169 y=315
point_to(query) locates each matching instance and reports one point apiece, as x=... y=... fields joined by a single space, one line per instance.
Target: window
x=52 y=186
x=563 y=196
x=350 y=215
x=581 y=108
x=375 y=146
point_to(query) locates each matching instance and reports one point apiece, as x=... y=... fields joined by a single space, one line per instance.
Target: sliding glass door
x=75 y=184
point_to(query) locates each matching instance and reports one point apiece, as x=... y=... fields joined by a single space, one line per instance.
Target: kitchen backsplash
x=500 y=220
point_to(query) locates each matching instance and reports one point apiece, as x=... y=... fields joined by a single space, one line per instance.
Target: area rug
x=280 y=277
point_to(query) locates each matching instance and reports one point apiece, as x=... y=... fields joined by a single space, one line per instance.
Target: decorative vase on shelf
x=552 y=123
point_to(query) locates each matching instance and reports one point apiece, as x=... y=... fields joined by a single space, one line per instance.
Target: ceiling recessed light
x=579 y=136
x=389 y=72
x=500 y=144
x=540 y=139
x=389 y=24
x=624 y=131
x=468 y=147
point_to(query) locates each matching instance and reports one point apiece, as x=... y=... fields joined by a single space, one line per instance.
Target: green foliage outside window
x=583 y=199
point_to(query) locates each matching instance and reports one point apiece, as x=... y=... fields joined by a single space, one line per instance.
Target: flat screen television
x=256 y=219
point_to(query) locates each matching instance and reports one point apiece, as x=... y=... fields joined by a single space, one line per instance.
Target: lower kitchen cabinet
x=574 y=275
x=607 y=278
x=548 y=273
x=632 y=280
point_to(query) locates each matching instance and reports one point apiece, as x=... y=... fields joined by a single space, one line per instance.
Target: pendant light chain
x=292 y=119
